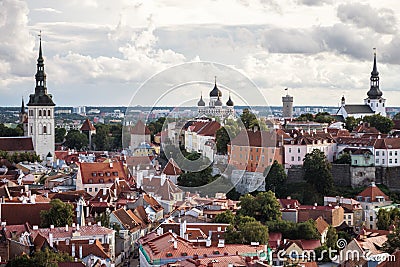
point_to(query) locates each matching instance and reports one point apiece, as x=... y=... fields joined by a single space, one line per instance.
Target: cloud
x=47 y=9
x=381 y=20
x=314 y=2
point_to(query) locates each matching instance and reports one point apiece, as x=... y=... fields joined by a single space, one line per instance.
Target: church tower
x=23 y=118
x=375 y=99
x=41 y=113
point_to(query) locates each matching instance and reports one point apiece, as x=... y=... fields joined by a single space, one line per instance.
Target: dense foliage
x=263 y=207
x=19 y=157
x=45 y=258
x=317 y=171
x=60 y=214
x=382 y=124
x=275 y=178
x=76 y=140
x=8 y=132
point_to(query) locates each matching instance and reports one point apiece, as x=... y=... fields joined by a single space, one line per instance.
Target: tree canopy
x=8 y=132
x=382 y=124
x=225 y=217
x=222 y=139
x=60 y=135
x=19 y=157
x=386 y=218
x=264 y=206
x=248 y=119
x=76 y=140
x=60 y=214
x=46 y=258
x=275 y=178
x=317 y=171
x=291 y=230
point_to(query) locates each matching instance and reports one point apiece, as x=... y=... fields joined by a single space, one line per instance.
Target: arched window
x=48 y=113
x=40 y=112
x=44 y=112
x=45 y=129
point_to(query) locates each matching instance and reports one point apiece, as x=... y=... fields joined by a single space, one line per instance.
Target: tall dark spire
x=215 y=92
x=40 y=98
x=22 y=106
x=374 y=91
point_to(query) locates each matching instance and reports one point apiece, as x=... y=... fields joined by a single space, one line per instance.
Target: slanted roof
x=18 y=143
x=126 y=219
x=100 y=172
x=87 y=126
x=255 y=139
x=171 y=168
x=321 y=225
x=372 y=192
x=140 y=128
x=358 y=109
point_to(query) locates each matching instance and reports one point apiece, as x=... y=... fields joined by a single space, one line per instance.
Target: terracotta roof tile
x=126 y=219
x=171 y=168
x=140 y=128
x=255 y=139
x=321 y=225
x=26 y=212
x=19 y=143
x=372 y=192
x=87 y=126
x=100 y=172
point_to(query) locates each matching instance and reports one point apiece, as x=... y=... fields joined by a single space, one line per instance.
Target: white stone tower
x=375 y=99
x=41 y=113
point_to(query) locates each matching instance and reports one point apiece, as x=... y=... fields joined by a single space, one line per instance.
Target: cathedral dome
x=229 y=103
x=215 y=92
x=218 y=102
x=201 y=102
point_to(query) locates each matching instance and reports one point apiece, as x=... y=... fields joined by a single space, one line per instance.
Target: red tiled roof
x=100 y=172
x=87 y=126
x=255 y=139
x=152 y=202
x=171 y=168
x=61 y=233
x=18 y=143
x=95 y=249
x=321 y=225
x=372 y=192
x=140 y=128
x=26 y=212
x=288 y=203
x=388 y=143
x=209 y=128
x=391 y=263
x=126 y=219
x=71 y=264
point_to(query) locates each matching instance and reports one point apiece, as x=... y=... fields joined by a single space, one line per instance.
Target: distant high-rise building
x=41 y=113
x=287 y=109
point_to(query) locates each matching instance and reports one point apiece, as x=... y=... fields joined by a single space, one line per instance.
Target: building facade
x=41 y=113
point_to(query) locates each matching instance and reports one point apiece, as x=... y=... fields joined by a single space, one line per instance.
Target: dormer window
x=101 y=174
x=115 y=173
x=94 y=174
x=108 y=174
x=90 y=181
x=101 y=180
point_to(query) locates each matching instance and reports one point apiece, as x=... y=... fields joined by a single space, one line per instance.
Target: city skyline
x=93 y=50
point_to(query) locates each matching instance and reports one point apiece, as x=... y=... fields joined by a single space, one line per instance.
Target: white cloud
x=47 y=9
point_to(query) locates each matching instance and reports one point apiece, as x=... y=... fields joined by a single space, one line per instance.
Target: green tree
x=290 y=230
x=393 y=241
x=305 y=117
x=225 y=217
x=222 y=139
x=382 y=124
x=351 y=123
x=8 y=132
x=60 y=214
x=103 y=218
x=254 y=232
x=248 y=118
x=383 y=219
x=317 y=171
x=76 y=140
x=46 y=258
x=60 y=135
x=345 y=158
x=275 y=178
x=331 y=238
x=101 y=139
x=323 y=117
x=263 y=207
x=307 y=230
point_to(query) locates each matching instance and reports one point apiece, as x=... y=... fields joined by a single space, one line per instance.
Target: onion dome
x=215 y=92
x=218 y=102
x=229 y=103
x=201 y=102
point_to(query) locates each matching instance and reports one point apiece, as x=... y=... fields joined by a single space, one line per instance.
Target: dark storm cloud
x=364 y=16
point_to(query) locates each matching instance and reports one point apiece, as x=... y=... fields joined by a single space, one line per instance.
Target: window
x=355 y=161
x=371 y=218
x=30 y=112
x=48 y=113
x=95 y=189
x=383 y=161
x=395 y=160
x=292 y=158
x=395 y=153
x=349 y=216
x=390 y=153
x=90 y=189
x=298 y=150
x=298 y=159
x=45 y=129
x=390 y=160
x=377 y=153
x=115 y=173
x=94 y=174
x=377 y=161
x=383 y=153
x=290 y=150
x=40 y=112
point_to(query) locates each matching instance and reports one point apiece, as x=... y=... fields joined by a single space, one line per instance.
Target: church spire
x=22 y=106
x=374 y=91
x=40 y=97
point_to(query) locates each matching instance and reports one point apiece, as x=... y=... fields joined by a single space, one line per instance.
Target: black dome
x=215 y=92
x=229 y=103
x=201 y=102
x=374 y=93
x=218 y=102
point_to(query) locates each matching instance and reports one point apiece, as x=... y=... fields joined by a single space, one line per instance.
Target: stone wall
x=389 y=177
x=362 y=176
x=341 y=174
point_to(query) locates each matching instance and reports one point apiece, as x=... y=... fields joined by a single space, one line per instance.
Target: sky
x=99 y=53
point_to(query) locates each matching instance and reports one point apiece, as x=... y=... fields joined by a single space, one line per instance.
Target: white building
x=373 y=104
x=41 y=113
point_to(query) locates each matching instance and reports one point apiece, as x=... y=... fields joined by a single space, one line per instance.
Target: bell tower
x=41 y=112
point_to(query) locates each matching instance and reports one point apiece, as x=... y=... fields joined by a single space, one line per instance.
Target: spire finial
x=375 y=68
x=215 y=80
x=40 y=44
